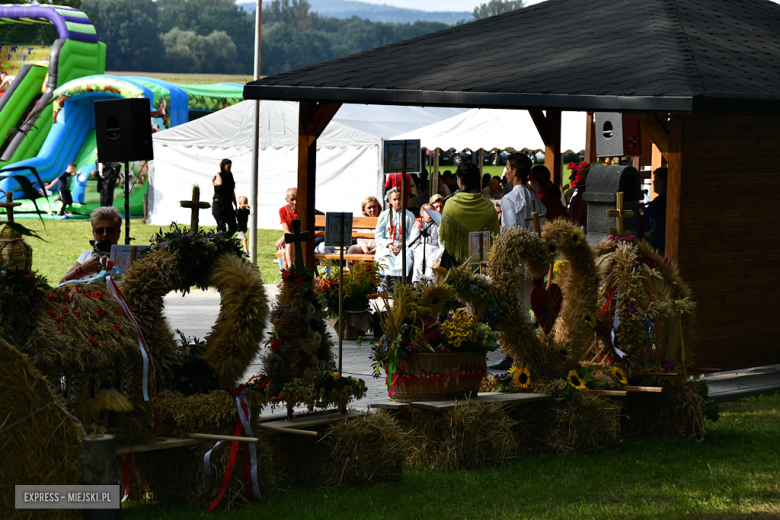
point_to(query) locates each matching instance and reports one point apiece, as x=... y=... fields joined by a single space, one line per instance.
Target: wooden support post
x=342 y=322
x=549 y=128
x=98 y=459
x=481 y=164
x=403 y=213
x=590 y=138
x=674 y=187
x=312 y=119
x=9 y=205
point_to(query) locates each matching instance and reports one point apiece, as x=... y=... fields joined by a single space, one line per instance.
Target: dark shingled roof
x=696 y=56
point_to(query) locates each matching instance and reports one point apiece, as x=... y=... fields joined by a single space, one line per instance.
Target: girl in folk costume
x=388 y=236
x=425 y=245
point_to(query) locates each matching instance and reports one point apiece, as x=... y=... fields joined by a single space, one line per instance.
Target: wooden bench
x=357 y=223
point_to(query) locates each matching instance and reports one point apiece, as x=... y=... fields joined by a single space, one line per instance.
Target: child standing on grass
x=64 y=181
x=242 y=215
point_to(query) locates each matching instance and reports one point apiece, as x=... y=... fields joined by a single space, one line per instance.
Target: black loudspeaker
x=123 y=128
x=617 y=135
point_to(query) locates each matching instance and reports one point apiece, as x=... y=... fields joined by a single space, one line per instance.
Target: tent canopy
x=503 y=129
x=349 y=158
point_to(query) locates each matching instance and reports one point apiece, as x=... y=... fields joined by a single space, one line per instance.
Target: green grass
x=733 y=473
x=67 y=239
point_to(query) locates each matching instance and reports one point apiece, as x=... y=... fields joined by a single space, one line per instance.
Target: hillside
x=376 y=13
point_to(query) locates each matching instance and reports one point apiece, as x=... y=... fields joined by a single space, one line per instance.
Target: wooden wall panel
x=728 y=247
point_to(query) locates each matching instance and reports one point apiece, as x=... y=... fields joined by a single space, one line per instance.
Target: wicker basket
x=439 y=377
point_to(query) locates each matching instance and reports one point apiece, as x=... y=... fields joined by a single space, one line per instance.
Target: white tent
x=349 y=157
x=493 y=128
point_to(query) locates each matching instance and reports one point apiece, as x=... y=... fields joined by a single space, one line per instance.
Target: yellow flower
x=521 y=376
x=575 y=381
x=557 y=266
x=436 y=297
x=335 y=376
x=620 y=376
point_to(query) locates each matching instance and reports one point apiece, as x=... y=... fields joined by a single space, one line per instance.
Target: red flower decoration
x=118 y=329
x=286 y=274
x=27 y=276
x=66 y=298
x=51 y=297
x=65 y=309
x=276 y=344
x=51 y=314
x=78 y=289
x=61 y=330
x=100 y=312
x=118 y=310
x=93 y=340
x=77 y=314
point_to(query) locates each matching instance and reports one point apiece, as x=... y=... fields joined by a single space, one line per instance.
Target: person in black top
x=243 y=218
x=225 y=197
x=107 y=178
x=64 y=181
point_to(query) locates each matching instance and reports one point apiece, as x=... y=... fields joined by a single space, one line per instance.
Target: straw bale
x=676 y=413
x=39 y=442
x=469 y=435
x=363 y=450
x=177 y=475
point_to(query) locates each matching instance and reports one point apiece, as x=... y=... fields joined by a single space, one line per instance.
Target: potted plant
x=360 y=287
x=436 y=337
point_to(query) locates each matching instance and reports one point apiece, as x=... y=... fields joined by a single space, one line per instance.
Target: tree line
x=217 y=36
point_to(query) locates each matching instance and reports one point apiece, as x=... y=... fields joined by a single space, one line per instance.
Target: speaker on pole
x=617 y=135
x=123 y=129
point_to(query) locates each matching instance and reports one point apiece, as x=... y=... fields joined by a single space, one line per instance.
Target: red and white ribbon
x=250 y=462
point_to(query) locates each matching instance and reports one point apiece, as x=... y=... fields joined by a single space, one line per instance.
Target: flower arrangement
x=580 y=172
x=197 y=251
x=360 y=287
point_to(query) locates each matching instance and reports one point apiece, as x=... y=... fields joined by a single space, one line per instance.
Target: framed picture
x=333 y=229
x=123 y=256
x=393 y=156
x=479 y=254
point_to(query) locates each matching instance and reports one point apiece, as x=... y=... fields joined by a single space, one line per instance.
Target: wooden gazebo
x=703 y=78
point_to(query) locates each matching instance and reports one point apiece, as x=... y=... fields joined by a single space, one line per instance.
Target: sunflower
x=520 y=376
x=576 y=239
x=575 y=380
x=563 y=352
x=557 y=266
x=436 y=297
x=619 y=375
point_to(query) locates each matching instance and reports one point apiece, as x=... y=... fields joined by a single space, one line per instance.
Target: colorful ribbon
x=250 y=462
x=606 y=304
x=126 y=471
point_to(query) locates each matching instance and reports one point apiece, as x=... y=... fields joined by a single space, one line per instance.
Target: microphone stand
x=424 y=233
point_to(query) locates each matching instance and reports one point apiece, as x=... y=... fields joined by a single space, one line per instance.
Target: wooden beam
x=541 y=125
x=313 y=118
x=552 y=151
x=674 y=187
x=657 y=131
x=590 y=138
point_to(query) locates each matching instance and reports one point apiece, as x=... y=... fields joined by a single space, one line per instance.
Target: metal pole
x=403 y=213
x=342 y=323
x=127 y=203
x=255 y=149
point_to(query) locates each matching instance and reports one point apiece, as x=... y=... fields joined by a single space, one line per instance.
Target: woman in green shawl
x=465 y=212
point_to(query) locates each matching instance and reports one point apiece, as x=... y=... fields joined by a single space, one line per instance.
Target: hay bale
x=469 y=435
x=583 y=423
x=676 y=413
x=41 y=444
x=177 y=475
x=363 y=450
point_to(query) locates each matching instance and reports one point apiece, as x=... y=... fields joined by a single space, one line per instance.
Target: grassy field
x=67 y=239
x=733 y=474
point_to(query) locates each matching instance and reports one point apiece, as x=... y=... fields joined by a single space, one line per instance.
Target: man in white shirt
x=518 y=204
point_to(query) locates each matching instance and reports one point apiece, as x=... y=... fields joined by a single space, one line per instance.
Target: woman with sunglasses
x=106 y=224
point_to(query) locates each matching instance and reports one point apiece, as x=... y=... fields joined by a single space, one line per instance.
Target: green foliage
x=187 y=51
x=192 y=374
x=495 y=7
x=197 y=251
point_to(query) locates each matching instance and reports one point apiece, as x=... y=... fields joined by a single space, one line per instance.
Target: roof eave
x=460 y=99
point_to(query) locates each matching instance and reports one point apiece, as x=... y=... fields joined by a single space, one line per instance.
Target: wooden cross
x=619 y=213
x=195 y=205
x=9 y=205
x=535 y=218
x=296 y=237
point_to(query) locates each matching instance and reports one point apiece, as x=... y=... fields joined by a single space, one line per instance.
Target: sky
x=438 y=5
